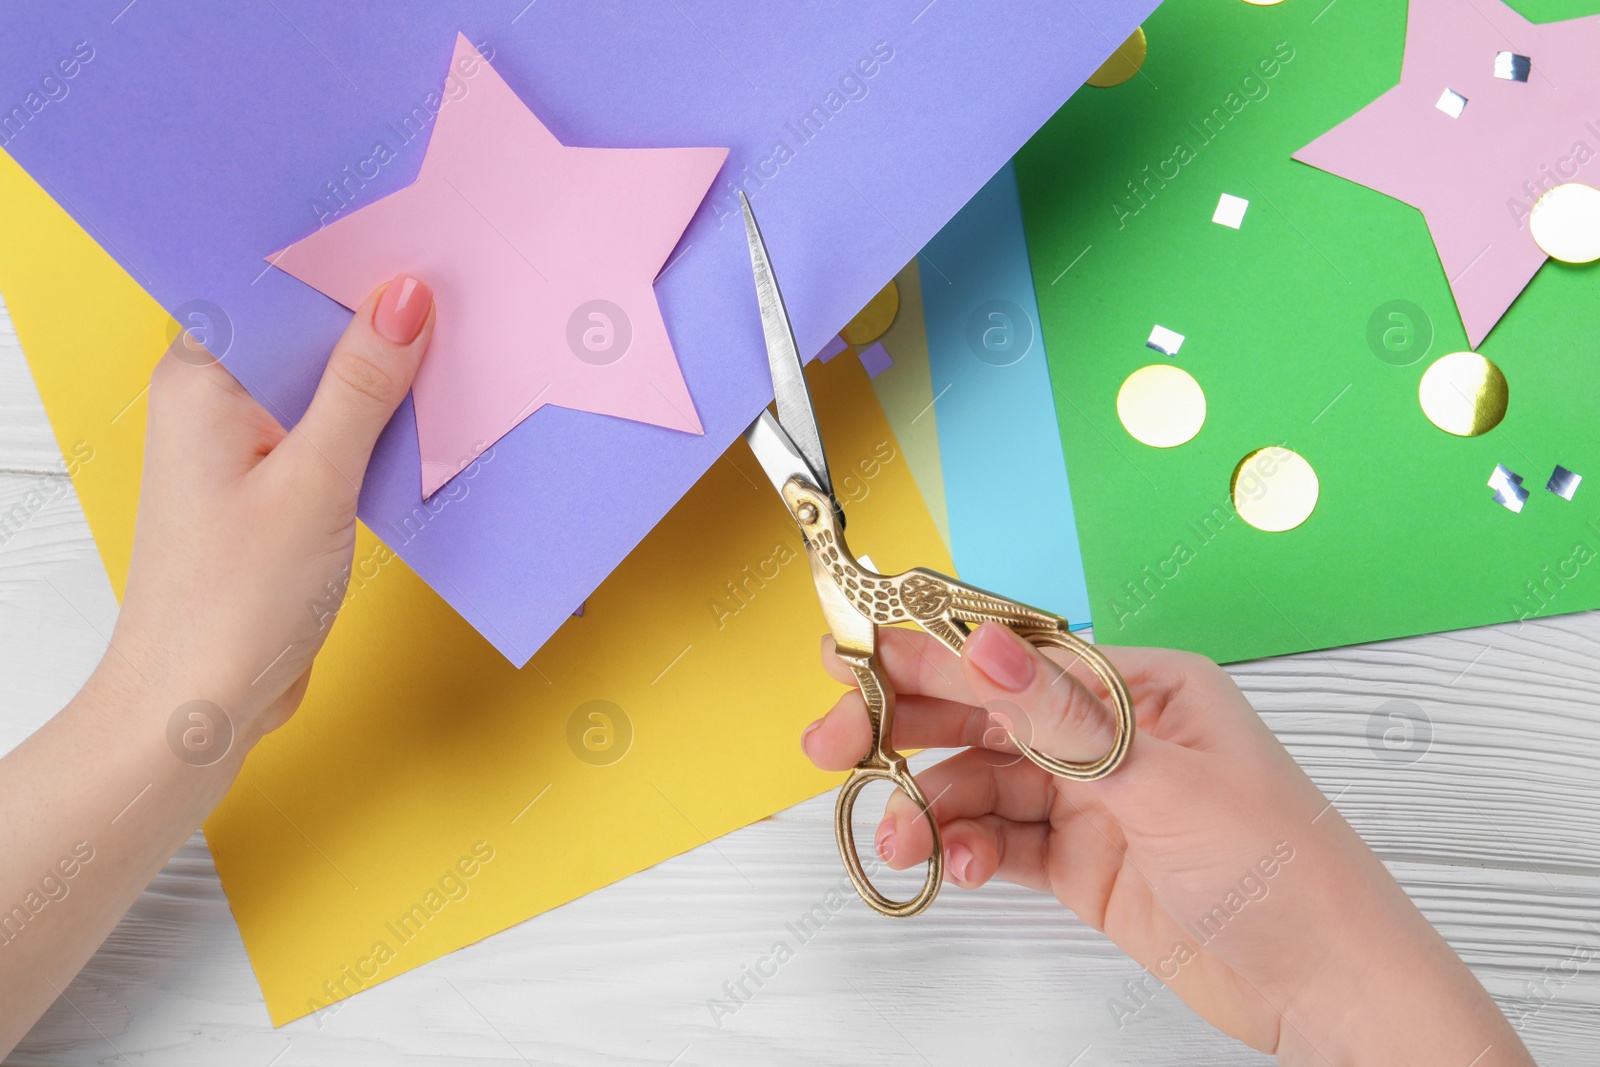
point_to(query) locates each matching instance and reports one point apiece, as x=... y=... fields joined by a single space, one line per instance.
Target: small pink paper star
x=1491 y=112
x=542 y=260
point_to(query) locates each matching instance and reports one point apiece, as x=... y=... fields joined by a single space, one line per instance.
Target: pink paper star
x=541 y=258
x=1520 y=95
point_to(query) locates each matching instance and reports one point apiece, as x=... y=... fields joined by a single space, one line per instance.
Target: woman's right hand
x=1208 y=856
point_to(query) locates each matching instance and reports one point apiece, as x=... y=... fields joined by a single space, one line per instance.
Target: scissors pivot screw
x=808 y=513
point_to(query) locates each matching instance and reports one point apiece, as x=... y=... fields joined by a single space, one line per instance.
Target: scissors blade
x=795 y=411
x=777 y=453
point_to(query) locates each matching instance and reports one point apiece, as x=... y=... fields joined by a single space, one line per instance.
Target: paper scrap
x=604 y=752
x=1274 y=489
x=832 y=348
x=874 y=319
x=1563 y=483
x=1230 y=210
x=1161 y=406
x=1123 y=64
x=1476 y=179
x=1566 y=223
x=1464 y=393
x=847 y=126
x=1508 y=489
x=1165 y=341
x=875 y=358
x=541 y=257
x=1511 y=67
x=1451 y=103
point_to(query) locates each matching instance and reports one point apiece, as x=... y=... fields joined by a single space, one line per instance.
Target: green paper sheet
x=1406 y=537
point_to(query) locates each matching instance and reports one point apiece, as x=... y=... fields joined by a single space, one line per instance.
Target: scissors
x=857 y=601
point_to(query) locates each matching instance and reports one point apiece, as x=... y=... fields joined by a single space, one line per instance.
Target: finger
x=915 y=662
x=838 y=740
x=1157 y=677
x=976 y=850
x=965 y=786
x=368 y=374
x=968 y=788
x=1039 y=702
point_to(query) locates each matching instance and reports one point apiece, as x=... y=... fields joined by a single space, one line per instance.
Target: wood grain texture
x=1502 y=854
x=26 y=444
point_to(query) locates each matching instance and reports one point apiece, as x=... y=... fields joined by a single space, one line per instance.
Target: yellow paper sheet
x=906 y=392
x=427 y=794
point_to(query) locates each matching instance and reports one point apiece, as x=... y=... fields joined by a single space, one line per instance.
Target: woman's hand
x=243 y=548
x=240 y=561
x=1208 y=856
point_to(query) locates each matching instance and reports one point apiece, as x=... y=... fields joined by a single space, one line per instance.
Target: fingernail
x=884 y=840
x=402 y=309
x=999 y=654
x=958 y=858
x=805 y=737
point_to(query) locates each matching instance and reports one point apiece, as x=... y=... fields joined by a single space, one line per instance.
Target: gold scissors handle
x=882 y=763
x=857 y=602
x=1060 y=636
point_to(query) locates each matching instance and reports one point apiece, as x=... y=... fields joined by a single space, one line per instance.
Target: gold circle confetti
x=1566 y=223
x=1464 y=394
x=1274 y=489
x=874 y=320
x=1124 y=62
x=1161 y=405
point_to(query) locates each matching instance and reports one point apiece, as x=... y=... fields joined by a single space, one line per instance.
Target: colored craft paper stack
x=860 y=143
x=1011 y=520
x=611 y=749
x=857 y=131
x=1274 y=442
x=963 y=381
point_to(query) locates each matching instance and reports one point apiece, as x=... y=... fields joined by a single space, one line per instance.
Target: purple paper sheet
x=199 y=138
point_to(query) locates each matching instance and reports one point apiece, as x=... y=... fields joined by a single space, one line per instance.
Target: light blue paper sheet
x=1005 y=478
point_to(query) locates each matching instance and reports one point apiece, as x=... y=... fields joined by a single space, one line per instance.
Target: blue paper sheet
x=1005 y=479
x=197 y=138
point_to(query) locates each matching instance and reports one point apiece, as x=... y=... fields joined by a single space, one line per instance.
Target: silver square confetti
x=1451 y=103
x=1165 y=341
x=1511 y=67
x=1507 y=486
x=1563 y=483
x=1230 y=210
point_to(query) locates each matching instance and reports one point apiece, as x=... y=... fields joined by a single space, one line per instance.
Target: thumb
x=368 y=374
x=1033 y=698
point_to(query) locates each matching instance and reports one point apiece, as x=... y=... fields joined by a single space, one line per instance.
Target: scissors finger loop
x=1121 y=708
x=844 y=831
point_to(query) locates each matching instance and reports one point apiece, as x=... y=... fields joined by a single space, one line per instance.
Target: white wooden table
x=1506 y=863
